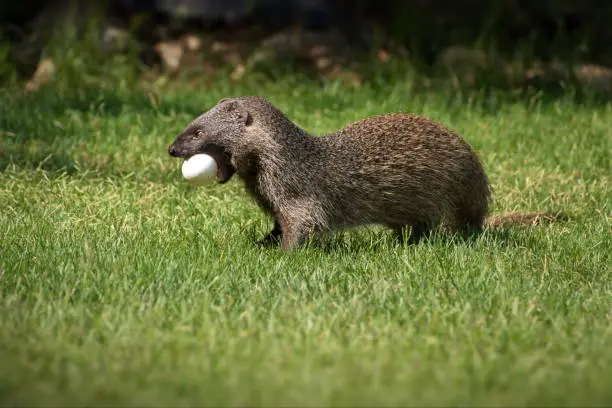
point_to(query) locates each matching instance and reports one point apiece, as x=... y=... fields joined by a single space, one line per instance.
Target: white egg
x=199 y=169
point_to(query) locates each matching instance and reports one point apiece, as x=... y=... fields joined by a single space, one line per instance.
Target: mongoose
x=403 y=171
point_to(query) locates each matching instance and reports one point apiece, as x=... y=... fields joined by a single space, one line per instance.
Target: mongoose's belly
x=404 y=199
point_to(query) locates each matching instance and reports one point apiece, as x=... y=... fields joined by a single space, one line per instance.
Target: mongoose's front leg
x=298 y=222
x=294 y=234
x=273 y=236
x=294 y=238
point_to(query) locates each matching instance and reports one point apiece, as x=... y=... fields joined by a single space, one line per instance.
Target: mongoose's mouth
x=225 y=170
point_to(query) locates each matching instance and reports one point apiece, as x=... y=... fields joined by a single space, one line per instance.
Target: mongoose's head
x=242 y=134
x=218 y=132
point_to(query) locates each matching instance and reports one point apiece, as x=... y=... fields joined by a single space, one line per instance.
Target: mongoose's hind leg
x=273 y=237
x=418 y=231
x=469 y=219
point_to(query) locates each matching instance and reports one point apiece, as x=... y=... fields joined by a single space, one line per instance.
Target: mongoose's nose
x=172 y=151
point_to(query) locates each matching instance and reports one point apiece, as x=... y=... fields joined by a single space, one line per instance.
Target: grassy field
x=121 y=284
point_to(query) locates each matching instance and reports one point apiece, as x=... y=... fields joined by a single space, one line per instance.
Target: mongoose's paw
x=268 y=241
x=273 y=238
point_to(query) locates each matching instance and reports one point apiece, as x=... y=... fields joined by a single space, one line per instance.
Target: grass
x=121 y=284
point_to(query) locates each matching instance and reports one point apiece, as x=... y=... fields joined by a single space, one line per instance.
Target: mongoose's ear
x=243 y=112
x=222 y=100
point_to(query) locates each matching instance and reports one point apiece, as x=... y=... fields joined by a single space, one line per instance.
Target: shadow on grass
x=379 y=240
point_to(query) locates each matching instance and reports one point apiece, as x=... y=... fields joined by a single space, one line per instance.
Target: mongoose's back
x=401 y=169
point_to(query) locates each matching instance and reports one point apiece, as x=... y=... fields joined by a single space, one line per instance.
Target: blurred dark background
x=518 y=39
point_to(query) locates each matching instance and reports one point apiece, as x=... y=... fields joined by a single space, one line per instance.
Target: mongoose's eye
x=199 y=133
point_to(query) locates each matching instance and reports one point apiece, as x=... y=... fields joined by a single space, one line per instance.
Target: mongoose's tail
x=523 y=219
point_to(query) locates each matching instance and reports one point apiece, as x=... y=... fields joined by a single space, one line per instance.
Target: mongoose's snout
x=223 y=159
x=172 y=151
x=185 y=146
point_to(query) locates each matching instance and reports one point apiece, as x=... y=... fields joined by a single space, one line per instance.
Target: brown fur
x=399 y=170
x=523 y=218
